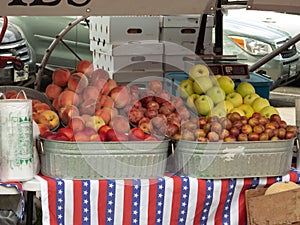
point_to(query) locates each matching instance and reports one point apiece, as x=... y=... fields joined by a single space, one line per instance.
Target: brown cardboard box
x=273 y=209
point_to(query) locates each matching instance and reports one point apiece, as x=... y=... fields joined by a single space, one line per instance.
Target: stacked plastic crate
x=128 y=47
x=179 y=35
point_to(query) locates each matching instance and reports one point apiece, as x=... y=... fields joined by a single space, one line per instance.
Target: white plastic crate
x=173 y=63
x=119 y=29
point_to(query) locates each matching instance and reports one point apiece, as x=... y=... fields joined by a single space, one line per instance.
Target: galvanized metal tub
x=103 y=160
x=215 y=160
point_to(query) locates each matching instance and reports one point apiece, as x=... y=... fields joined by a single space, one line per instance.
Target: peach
x=102 y=132
x=77 y=82
x=120 y=124
x=85 y=117
x=35 y=101
x=136 y=134
x=68 y=97
x=106 y=113
x=55 y=104
x=120 y=95
x=86 y=67
x=99 y=84
x=108 y=86
x=105 y=101
x=99 y=74
x=88 y=107
x=89 y=131
x=67 y=131
x=95 y=138
x=43 y=128
x=40 y=107
x=60 y=76
x=49 y=118
x=17 y=96
x=10 y=93
x=81 y=136
x=67 y=113
x=90 y=92
x=52 y=91
x=76 y=124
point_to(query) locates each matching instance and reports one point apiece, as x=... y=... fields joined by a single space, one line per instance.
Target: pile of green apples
x=217 y=95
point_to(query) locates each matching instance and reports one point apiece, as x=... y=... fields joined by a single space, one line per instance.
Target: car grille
x=289 y=52
x=19 y=49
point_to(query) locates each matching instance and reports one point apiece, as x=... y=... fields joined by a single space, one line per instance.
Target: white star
x=158 y=220
x=135 y=212
x=225 y=215
x=159 y=212
x=185 y=188
x=85 y=210
x=205 y=210
x=86 y=219
x=183 y=204
x=230 y=193
x=185 y=179
x=182 y=212
x=60 y=191
x=160 y=195
x=59 y=208
x=184 y=196
x=109 y=210
x=85 y=184
x=181 y=220
x=59 y=183
x=159 y=203
x=60 y=200
x=111 y=185
x=203 y=218
x=136 y=195
x=278 y=178
x=110 y=194
x=209 y=188
x=136 y=186
x=135 y=203
x=85 y=201
x=59 y=216
x=110 y=202
x=209 y=196
x=160 y=186
x=109 y=219
x=85 y=192
x=135 y=221
x=207 y=203
x=225 y=223
x=231 y=186
x=226 y=207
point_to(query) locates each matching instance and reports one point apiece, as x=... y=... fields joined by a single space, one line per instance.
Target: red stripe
x=77 y=219
x=242 y=202
x=200 y=201
x=127 y=202
x=223 y=195
x=152 y=201
x=102 y=201
x=293 y=176
x=51 y=184
x=177 y=188
x=270 y=180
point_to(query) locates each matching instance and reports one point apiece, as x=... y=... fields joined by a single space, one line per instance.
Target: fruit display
x=234 y=127
x=93 y=107
x=210 y=95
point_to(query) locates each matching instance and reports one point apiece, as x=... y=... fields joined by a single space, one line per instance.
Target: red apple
x=136 y=134
x=253 y=136
x=242 y=137
x=135 y=115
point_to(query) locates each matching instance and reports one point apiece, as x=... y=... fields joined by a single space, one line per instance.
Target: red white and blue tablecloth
x=167 y=200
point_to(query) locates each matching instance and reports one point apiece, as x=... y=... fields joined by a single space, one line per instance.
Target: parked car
x=14 y=44
x=258 y=40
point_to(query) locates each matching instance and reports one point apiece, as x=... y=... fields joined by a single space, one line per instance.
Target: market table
x=167 y=200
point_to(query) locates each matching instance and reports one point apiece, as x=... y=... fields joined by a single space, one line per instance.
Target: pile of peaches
x=93 y=107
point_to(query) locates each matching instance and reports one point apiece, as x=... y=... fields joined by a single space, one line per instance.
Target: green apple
x=190 y=101
x=198 y=70
x=260 y=103
x=218 y=111
x=227 y=105
x=245 y=88
x=235 y=98
x=204 y=104
x=216 y=93
x=238 y=110
x=227 y=84
x=202 y=84
x=185 y=88
x=249 y=99
x=248 y=110
x=268 y=111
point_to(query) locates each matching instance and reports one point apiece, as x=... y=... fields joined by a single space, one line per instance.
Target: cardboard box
x=185 y=21
x=274 y=209
x=136 y=77
x=120 y=29
x=128 y=63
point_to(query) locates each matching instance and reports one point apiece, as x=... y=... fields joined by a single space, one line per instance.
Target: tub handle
x=40 y=147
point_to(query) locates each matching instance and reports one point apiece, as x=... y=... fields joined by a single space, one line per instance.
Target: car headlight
x=252 y=46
